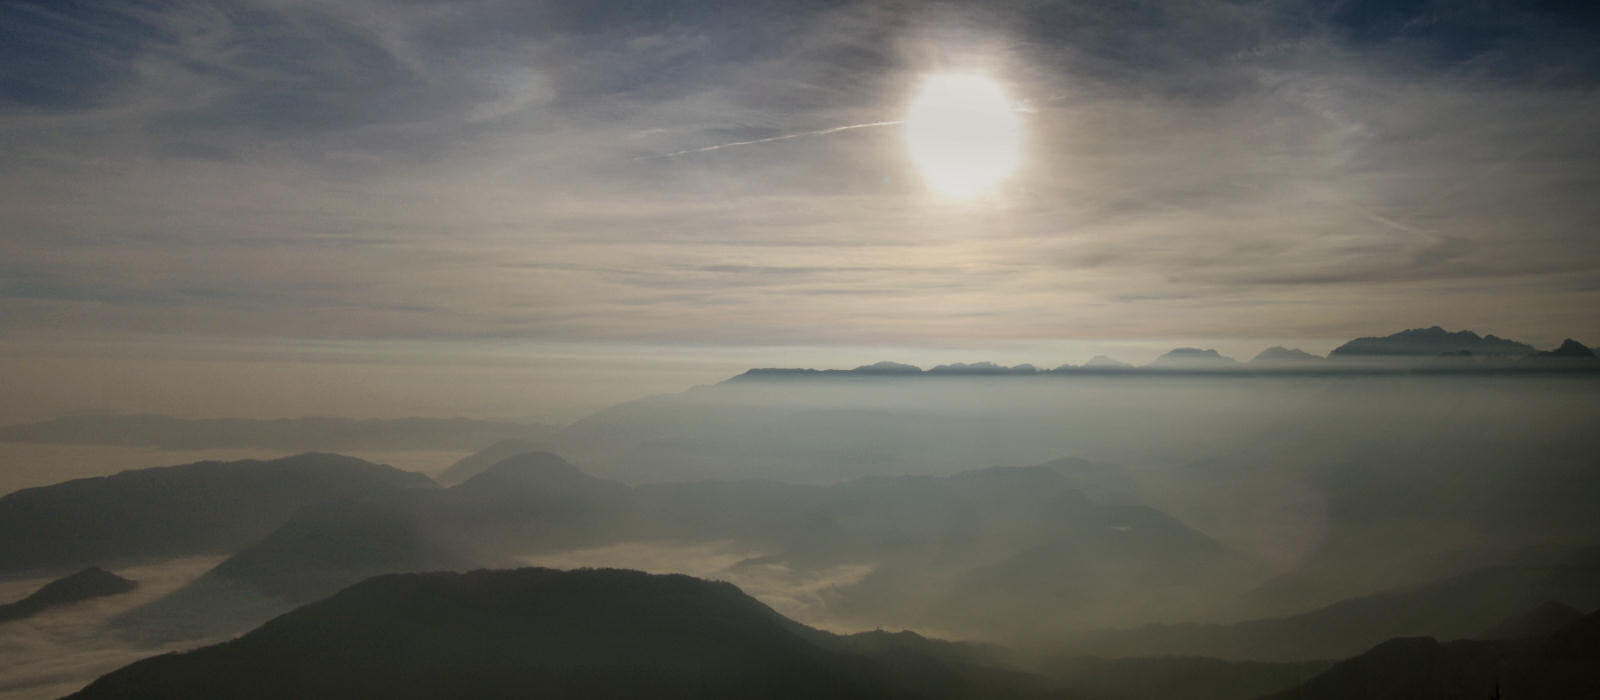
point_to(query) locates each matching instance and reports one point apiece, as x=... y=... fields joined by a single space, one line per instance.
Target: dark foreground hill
x=1460 y=606
x=93 y=582
x=190 y=509
x=550 y=634
x=1563 y=665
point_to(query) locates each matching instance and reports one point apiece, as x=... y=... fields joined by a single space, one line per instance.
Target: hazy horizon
x=414 y=211
x=322 y=315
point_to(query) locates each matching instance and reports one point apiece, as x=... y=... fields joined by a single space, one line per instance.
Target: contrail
x=785 y=137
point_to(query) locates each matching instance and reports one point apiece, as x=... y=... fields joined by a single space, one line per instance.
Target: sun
x=963 y=134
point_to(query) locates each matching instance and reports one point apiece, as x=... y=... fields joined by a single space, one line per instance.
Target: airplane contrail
x=785 y=137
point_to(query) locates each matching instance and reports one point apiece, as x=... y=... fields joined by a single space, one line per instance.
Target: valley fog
x=1237 y=517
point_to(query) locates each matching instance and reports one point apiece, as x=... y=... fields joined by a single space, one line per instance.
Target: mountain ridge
x=1493 y=353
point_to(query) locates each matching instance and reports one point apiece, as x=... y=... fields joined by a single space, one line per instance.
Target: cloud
x=562 y=171
x=60 y=651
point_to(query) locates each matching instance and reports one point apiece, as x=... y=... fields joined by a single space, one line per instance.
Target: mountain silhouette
x=93 y=582
x=546 y=633
x=1432 y=342
x=1541 y=621
x=1279 y=355
x=1556 y=667
x=1186 y=677
x=469 y=466
x=313 y=433
x=1192 y=358
x=886 y=367
x=1104 y=362
x=1570 y=351
x=982 y=368
x=164 y=512
x=1456 y=607
x=320 y=550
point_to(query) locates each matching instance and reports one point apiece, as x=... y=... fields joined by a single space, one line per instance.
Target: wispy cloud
x=360 y=170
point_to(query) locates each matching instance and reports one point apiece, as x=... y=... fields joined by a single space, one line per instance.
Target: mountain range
x=163 y=512
x=625 y=634
x=1418 y=349
x=985 y=546
x=297 y=434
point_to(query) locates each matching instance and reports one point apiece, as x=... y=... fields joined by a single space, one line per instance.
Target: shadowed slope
x=92 y=582
x=1557 y=667
x=543 y=633
x=177 y=511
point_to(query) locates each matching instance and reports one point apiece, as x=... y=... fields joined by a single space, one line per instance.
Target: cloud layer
x=546 y=171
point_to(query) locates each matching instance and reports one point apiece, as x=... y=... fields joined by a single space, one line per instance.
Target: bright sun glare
x=963 y=134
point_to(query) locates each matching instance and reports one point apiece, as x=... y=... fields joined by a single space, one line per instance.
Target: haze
x=818 y=348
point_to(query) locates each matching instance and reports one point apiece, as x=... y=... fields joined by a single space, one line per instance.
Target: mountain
x=1432 y=342
x=1456 y=607
x=1556 y=667
x=1278 y=355
x=527 y=503
x=887 y=367
x=93 y=582
x=472 y=464
x=1570 y=351
x=1193 y=358
x=982 y=368
x=1187 y=677
x=539 y=632
x=1101 y=362
x=1539 y=622
x=320 y=550
x=204 y=507
x=282 y=434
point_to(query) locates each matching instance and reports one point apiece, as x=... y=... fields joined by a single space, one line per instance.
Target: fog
x=1339 y=485
x=55 y=653
x=1123 y=514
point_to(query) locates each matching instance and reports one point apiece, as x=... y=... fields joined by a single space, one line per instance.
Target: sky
x=533 y=209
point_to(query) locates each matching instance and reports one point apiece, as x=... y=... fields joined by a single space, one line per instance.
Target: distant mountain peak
x=1278 y=354
x=982 y=368
x=1570 y=350
x=887 y=367
x=1103 y=361
x=532 y=465
x=474 y=464
x=1197 y=358
x=91 y=582
x=1433 y=341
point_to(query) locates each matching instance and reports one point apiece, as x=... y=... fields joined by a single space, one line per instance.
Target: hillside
x=288 y=434
x=205 y=507
x=1453 y=608
x=93 y=582
x=1559 y=666
x=546 y=633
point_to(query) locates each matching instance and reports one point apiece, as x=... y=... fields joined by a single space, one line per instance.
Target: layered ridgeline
x=1034 y=555
x=1417 y=350
x=547 y=633
x=1496 y=602
x=288 y=434
x=166 y=512
x=625 y=634
x=981 y=550
x=1561 y=664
